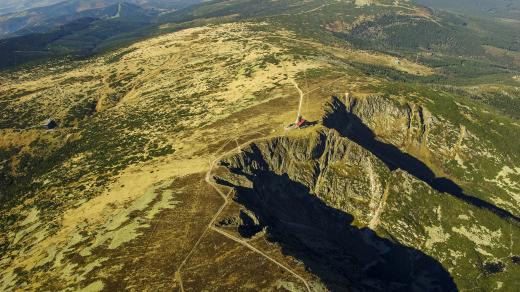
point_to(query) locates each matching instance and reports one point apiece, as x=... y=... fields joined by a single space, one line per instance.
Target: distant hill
x=165 y=4
x=43 y=19
x=494 y=8
x=11 y=6
x=77 y=28
x=14 y=6
x=79 y=37
x=438 y=38
x=42 y=16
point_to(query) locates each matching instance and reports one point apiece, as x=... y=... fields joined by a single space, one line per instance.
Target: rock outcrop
x=359 y=212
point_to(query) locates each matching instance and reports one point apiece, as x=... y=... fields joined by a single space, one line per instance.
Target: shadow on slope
x=344 y=257
x=351 y=126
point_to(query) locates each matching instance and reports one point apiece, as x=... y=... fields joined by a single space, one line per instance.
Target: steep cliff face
x=327 y=164
x=455 y=147
x=361 y=213
x=402 y=124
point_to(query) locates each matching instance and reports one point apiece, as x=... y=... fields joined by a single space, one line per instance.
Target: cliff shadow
x=352 y=127
x=343 y=256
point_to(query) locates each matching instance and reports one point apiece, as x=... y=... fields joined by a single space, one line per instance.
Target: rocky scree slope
x=359 y=217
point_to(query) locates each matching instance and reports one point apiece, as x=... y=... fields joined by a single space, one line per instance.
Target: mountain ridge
x=172 y=160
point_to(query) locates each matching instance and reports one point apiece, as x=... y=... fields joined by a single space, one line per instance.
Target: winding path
x=225 y=197
x=210 y=226
x=301 y=100
x=244 y=243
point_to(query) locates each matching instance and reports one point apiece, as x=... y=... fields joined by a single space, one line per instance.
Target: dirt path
x=225 y=197
x=226 y=201
x=244 y=243
x=118 y=14
x=208 y=179
x=301 y=100
x=133 y=85
x=308 y=11
x=302 y=94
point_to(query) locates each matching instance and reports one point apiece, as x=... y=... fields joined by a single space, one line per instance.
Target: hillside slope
x=171 y=167
x=78 y=38
x=494 y=8
x=49 y=15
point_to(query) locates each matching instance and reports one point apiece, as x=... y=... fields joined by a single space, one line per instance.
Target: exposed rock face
x=322 y=196
x=443 y=148
x=311 y=192
x=325 y=163
x=399 y=124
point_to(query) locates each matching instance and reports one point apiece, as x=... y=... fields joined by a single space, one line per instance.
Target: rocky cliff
x=362 y=213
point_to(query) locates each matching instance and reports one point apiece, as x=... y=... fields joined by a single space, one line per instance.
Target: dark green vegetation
x=79 y=38
x=493 y=8
x=68 y=29
x=289 y=179
x=12 y=6
x=410 y=182
x=44 y=19
x=46 y=15
x=451 y=43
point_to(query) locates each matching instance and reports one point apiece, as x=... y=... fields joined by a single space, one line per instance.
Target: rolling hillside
x=44 y=17
x=12 y=6
x=160 y=153
x=490 y=8
x=78 y=38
